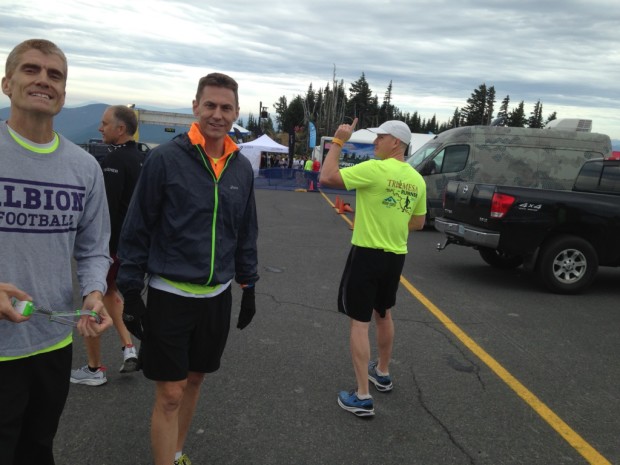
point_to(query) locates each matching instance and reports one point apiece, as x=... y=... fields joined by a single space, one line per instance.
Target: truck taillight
x=500 y=204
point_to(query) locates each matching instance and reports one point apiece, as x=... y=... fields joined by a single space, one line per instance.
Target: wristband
x=338 y=142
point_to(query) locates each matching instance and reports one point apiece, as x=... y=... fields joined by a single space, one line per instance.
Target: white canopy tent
x=235 y=127
x=253 y=149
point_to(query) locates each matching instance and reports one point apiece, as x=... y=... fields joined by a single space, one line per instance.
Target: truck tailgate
x=468 y=202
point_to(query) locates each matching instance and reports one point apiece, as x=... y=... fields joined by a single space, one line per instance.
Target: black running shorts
x=184 y=334
x=369 y=282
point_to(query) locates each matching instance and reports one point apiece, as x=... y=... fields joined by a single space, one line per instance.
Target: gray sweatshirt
x=52 y=208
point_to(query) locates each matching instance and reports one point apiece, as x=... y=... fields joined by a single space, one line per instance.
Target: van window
x=423 y=153
x=452 y=159
x=589 y=176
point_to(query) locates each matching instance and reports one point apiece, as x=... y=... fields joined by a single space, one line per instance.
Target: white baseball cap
x=398 y=129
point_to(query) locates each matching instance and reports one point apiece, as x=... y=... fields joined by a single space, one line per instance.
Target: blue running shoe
x=382 y=383
x=351 y=403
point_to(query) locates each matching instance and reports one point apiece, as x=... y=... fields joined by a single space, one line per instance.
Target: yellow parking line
x=575 y=440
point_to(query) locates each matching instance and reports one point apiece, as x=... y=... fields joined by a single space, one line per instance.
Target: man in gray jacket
x=52 y=209
x=192 y=229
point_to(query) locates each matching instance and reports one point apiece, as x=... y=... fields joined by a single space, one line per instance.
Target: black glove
x=248 y=307
x=133 y=312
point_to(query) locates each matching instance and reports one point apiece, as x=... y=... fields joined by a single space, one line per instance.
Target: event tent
x=236 y=128
x=253 y=149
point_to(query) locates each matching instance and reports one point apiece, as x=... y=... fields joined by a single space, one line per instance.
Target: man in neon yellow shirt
x=390 y=202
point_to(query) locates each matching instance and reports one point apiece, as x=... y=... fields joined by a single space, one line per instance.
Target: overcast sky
x=152 y=53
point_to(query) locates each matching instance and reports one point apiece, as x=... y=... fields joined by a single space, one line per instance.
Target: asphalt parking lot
x=274 y=399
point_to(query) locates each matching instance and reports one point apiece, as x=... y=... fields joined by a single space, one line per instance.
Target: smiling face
x=216 y=110
x=37 y=84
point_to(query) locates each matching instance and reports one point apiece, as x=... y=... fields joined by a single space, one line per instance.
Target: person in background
x=53 y=211
x=121 y=168
x=316 y=168
x=192 y=228
x=308 y=172
x=390 y=201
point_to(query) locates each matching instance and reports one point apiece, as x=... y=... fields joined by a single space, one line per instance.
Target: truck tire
x=567 y=264
x=500 y=259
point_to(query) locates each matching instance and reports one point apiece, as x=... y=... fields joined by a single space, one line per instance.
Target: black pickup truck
x=564 y=236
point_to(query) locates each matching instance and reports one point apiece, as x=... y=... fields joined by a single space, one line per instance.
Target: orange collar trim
x=196 y=137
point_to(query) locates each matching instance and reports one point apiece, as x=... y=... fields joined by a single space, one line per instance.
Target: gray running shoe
x=85 y=376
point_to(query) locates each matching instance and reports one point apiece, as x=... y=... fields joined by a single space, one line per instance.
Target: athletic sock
x=363 y=396
x=178 y=455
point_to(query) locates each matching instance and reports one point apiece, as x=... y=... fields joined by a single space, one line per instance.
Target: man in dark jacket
x=121 y=168
x=192 y=229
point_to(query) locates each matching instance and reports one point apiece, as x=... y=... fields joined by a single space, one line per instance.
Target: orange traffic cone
x=311 y=186
x=337 y=203
x=341 y=207
x=347 y=208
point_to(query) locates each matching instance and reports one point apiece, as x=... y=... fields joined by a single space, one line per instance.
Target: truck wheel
x=567 y=264
x=500 y=259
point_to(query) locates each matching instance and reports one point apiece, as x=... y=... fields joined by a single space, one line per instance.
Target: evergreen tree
x=281 y=107
x=478 y=106
x=456 y=118
x=536 y=119
x=387 y=111
x=361 y=103
x=328 y=107
x=516 y=118
x=253 y=125
x=502 y=114
x=489 y=106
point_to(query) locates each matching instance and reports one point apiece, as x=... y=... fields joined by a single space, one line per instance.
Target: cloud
x=434 y=53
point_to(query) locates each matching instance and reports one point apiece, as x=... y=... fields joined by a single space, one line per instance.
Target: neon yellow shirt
x=388 y=193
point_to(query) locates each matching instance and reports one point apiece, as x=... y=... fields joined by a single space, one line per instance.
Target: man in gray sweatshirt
x=52 y=208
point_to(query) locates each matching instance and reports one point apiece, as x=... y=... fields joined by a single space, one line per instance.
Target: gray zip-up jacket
x=186 y=225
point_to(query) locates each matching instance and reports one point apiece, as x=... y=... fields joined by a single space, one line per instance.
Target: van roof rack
x=571 y=124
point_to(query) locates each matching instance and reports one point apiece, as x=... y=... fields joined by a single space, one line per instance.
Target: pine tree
x=361 y=103
x=280 y=107
x=516 y=118
x=502 y=114
x=387 y=110
x=479 y=108
x=536 y=119
x=489 y=106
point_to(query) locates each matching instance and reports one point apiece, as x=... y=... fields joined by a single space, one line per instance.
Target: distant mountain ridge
x=79 y=124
